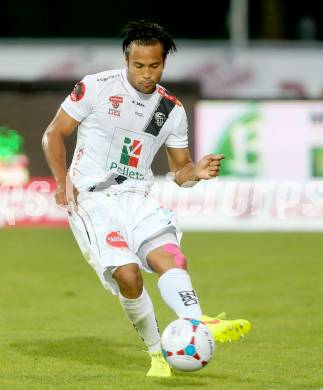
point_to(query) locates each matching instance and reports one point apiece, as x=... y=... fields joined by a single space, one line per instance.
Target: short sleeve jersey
x=120 y=131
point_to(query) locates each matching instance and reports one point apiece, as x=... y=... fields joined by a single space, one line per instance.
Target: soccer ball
x=187 y=344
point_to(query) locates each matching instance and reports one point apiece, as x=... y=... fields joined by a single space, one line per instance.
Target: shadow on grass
x=87 y=350
x=111 y=354
x=197 y=379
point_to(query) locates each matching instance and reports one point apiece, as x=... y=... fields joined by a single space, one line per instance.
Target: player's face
x=145 y=66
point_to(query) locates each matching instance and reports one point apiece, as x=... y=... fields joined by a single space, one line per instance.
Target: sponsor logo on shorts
x=116 y=101
x=188 y=297
x=116 y=240
x=78 y=92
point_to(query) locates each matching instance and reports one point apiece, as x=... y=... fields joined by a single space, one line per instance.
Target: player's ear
x=126 y=58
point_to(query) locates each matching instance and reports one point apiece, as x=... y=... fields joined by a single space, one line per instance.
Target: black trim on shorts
x=96 y=239
x=84 y=224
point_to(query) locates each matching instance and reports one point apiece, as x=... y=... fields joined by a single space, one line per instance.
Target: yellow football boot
x=159 y=367
x=225 y=331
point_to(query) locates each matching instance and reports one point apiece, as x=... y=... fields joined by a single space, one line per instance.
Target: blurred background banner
x=249 y=75
x=245 y=205
x=220 y=70
x=30 y=204
x=269 y=140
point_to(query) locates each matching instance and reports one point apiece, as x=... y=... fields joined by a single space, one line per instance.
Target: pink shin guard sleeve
x=180 y=259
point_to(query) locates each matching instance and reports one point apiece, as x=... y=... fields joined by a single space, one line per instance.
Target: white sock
x=176 y=290
x=140 y=312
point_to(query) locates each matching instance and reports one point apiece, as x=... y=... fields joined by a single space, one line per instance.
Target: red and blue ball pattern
x=190 y=350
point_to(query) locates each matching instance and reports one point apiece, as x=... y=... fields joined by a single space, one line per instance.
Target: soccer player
x=123 y=117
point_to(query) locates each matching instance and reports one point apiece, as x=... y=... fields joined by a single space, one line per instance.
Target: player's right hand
x=60 y=196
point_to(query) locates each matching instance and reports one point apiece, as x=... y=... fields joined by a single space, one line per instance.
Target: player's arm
x=54 y=148
x=186 y=173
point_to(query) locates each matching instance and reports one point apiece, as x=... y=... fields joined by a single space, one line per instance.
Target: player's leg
x=178 y=293
x=126 y=281
x=103 y=232
x=157 y=237
x=137 y=304
x=139 y=309
x=174 y=282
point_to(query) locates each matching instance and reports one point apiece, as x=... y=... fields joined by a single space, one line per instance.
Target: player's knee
x=129 y=280
x=179 y=257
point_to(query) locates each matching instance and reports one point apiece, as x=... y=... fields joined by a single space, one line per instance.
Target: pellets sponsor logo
x=126 y=171
x=130 y=153
x=129 y=158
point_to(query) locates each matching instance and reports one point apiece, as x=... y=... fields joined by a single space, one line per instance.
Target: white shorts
x=117 y=229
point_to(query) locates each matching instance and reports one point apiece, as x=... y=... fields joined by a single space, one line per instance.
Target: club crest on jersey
x=116 y=101
x=78 y=91
x=160 y=118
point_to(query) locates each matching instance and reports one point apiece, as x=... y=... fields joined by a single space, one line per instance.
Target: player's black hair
x=146 y=33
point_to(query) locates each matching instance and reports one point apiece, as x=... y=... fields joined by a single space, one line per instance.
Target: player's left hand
x=209 y=166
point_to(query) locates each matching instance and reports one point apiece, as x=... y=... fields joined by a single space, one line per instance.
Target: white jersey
x=120 y=131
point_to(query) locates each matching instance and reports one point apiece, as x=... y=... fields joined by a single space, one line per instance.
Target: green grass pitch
x=59 y=329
